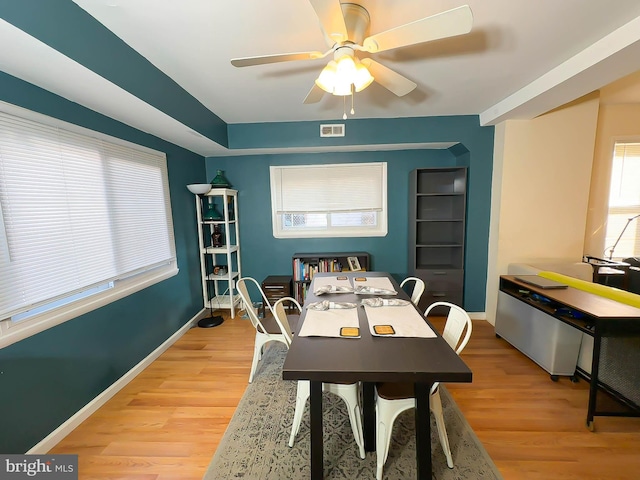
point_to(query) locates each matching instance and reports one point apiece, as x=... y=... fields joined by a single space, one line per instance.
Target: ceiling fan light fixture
x=327 y=78
x=346 y=69
x=345 y=73
x=341 y=77
x=342 y=89
x=362 y=78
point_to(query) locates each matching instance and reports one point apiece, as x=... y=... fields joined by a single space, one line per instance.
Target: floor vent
x=335 y=130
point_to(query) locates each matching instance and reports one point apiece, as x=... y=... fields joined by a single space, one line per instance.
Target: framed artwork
x=354 y=264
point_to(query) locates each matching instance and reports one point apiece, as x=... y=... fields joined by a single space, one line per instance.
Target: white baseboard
x=478 y=315
x=81 y=415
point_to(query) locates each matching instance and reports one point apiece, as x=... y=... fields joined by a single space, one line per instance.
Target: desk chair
x=418 y=288
x=634 y=274
x=350 y=392
x=267 y=329
x=394 y=398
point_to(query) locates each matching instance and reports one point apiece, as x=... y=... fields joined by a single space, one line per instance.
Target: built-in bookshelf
x=437 y=212
x=306 y=265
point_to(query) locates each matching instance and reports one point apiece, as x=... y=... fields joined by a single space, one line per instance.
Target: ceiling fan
x=346 y=30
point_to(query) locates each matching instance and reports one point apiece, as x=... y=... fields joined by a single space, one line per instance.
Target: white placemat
x=373 y=285
x=337 y=284
x=327 y=323
x=405 y=320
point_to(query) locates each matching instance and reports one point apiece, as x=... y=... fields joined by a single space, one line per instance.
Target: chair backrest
x=280 y=315
x=243 y=285
x=418 y=288
x=458 y=323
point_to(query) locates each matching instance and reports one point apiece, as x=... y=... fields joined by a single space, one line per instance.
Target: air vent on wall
x=335 y=130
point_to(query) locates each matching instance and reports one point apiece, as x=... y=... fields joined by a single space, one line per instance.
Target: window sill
x=329 y=234
x=11 y=333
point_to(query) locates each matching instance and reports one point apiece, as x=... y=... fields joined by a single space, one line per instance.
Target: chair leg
x=386 y=413
x=302 y=393
x=436 y=408
x=355 y=415
x=350 y=396
x=384 y=426
x=257 y=355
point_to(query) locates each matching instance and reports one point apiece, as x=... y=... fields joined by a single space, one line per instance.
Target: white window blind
x=324 y=188
x=624 y=202
x=346 y=200
x=78 y=212
x=4 y=247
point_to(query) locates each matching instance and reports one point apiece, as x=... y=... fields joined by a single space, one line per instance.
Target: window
x=341 y=200
x=624 y=202
x=85 y=220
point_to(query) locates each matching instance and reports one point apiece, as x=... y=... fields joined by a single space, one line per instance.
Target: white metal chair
x=418 y=288
x=267 y=329
x=349 y=392
x=394 y=398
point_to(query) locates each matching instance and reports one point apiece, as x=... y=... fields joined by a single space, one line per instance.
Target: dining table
x=322 y=356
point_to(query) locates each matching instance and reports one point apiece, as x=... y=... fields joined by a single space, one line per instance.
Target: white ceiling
x=521 y=59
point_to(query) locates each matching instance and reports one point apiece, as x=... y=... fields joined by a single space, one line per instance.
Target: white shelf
x=218 y=291
x=221 y=191
x=217 y=222
x=220 y=250
x=224 y=277
x=223 y=301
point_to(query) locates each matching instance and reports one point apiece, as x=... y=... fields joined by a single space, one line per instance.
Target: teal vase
x=220 y=181
x=211 y=212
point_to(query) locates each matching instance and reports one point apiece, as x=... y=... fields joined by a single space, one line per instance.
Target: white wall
x=540 y=190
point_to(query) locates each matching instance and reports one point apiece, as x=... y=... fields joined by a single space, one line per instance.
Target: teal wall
x=264 y=255
x=49 y=377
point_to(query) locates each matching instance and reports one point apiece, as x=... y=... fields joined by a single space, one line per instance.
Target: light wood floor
x=166 y=424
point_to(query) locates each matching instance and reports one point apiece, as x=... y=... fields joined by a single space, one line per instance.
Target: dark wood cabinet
x=276 y=287
x=437 y=211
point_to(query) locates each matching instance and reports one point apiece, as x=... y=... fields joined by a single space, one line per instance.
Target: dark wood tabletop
x=602 y=312
x=370 y=358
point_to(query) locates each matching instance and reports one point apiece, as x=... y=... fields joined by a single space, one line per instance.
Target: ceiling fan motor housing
x=357 y=20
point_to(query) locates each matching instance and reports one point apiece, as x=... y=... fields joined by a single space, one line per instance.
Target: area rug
x=255 y=444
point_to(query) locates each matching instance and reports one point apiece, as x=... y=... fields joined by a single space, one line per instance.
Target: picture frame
x=354 y=264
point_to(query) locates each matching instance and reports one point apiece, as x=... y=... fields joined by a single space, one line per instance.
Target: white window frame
x=341 y=191
x=14 y=331
x=618 y=227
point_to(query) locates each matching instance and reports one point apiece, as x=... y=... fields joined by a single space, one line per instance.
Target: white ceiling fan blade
x=329 y=13
x=282 y=57
x=314 y=95
x=457 y=21
x=392 y=81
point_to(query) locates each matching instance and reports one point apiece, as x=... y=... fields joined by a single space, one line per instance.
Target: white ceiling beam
x=58 y=74
x=612 y=57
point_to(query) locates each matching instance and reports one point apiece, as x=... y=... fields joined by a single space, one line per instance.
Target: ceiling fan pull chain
x=353 y=95
x=344 y=107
